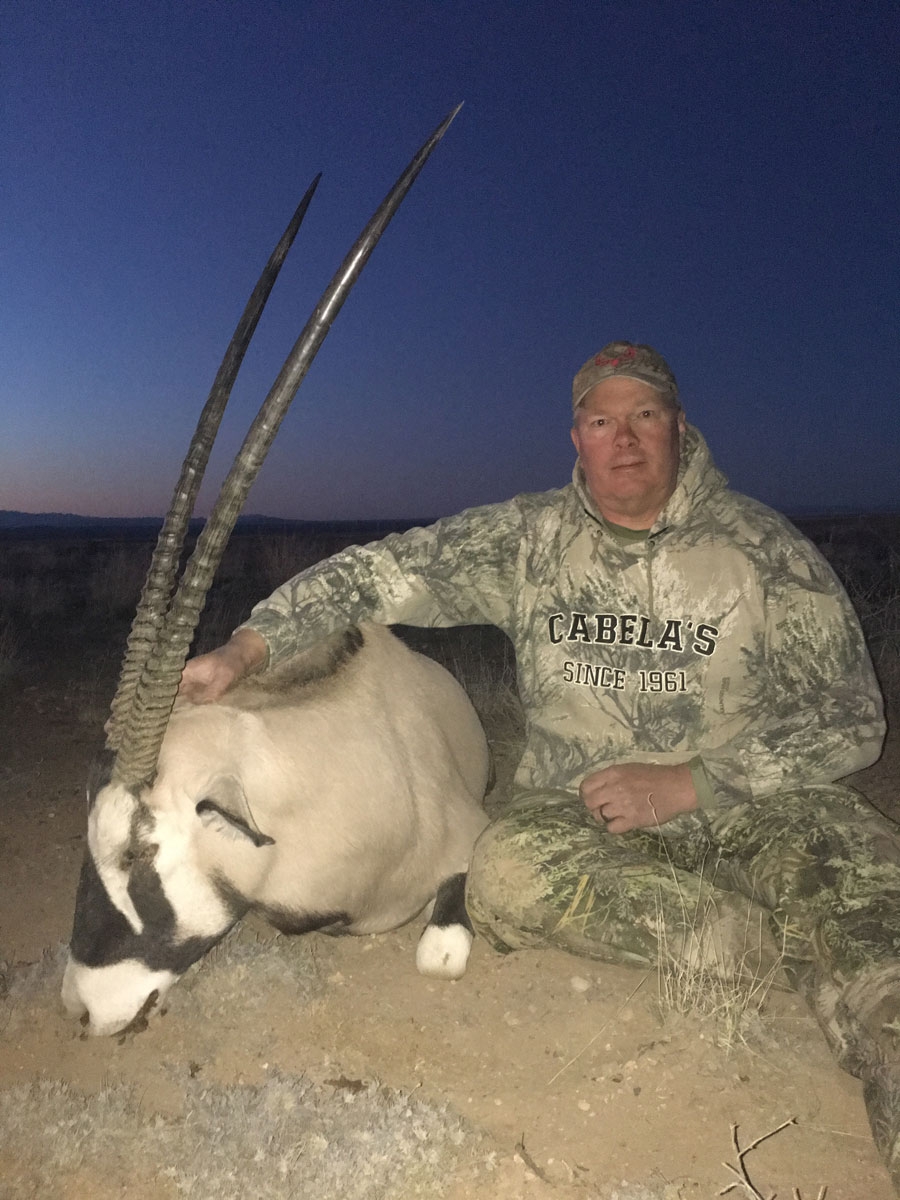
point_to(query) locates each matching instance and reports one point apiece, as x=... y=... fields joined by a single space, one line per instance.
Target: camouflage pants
x=818 y=864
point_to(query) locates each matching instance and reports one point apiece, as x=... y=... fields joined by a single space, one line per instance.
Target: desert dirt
x=574 y=1081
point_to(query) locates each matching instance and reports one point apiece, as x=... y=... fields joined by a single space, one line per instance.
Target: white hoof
x=443 y=951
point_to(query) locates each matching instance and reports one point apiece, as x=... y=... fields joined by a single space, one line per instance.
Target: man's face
x=628 y=439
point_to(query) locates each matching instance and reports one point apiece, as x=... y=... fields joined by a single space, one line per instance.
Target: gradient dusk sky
x=717 y=179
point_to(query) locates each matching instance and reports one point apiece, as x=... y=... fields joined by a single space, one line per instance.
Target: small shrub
x=878 y=607
x=11 y=643
x=34 y=599
x=282 y=556
x=115 y=583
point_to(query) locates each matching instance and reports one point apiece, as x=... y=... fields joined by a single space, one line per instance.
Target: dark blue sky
x=720 y=180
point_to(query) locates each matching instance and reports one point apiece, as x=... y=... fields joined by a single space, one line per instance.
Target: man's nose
x=625 y=433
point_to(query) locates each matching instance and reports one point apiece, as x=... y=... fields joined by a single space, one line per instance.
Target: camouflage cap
x=632 y=359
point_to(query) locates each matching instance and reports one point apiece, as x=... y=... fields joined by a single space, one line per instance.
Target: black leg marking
x=450 y=903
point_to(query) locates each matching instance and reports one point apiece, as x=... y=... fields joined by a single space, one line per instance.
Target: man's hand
x=637 y=795
x=209 y=676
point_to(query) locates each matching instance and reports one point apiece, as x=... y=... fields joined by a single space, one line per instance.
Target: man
x=694 y=681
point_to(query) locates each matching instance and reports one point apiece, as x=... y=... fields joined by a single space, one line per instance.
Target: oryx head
x=150 y=900
x=147 y=907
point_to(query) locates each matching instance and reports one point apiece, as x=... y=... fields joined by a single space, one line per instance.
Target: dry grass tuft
x=716 y=971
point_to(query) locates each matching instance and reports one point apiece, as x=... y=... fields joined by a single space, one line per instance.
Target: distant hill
x=21 y=520
x=22 y=525
x=61 y=524
x=10 y=519
x=53 y=520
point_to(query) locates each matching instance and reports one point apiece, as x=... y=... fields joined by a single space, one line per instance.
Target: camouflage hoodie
x=722 y=637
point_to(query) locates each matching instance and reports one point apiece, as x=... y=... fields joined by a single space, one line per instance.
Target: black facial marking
x=101 y=936
x=233 y=900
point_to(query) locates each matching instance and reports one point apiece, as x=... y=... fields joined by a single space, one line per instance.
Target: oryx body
x=340 y=791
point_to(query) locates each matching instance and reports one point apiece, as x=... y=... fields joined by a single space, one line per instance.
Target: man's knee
x=505 y=884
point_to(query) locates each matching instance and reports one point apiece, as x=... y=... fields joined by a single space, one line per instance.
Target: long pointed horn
x=160 y=581
x=139 y=746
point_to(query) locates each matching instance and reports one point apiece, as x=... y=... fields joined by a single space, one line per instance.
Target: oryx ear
x=215 y=817
x=227 y=811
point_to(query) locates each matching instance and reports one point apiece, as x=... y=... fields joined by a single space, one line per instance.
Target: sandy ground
x=580 y=1087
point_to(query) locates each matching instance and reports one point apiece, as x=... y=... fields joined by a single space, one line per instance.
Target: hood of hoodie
x=698 y=478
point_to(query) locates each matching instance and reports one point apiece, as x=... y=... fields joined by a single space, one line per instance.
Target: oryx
x=341 y=791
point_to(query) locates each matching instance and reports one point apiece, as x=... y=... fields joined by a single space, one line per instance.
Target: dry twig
x=743 y=1179
x=529 y=1161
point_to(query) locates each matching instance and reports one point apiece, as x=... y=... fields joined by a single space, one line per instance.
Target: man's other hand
x=638 y=795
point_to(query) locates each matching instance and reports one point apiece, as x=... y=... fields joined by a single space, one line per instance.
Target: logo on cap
x=603 y=360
